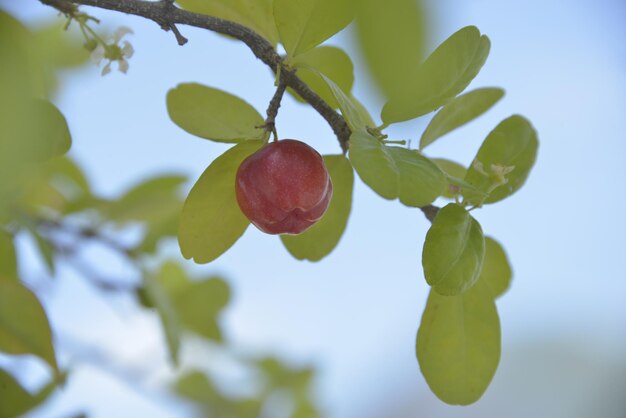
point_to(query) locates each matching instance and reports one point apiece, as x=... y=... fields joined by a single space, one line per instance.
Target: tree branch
x=166 y=15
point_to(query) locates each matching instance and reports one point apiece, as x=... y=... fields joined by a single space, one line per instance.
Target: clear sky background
x=355 y=314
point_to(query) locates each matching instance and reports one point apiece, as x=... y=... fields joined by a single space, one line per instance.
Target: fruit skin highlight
x=284 y=188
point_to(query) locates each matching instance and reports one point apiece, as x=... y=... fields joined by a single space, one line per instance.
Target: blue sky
x=355 y=314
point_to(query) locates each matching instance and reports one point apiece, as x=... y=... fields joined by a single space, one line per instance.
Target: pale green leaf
x=8 y=259
x=458 y=344
x=395 y=172
x=330 y=61
x=453 y=251
x=257 y=15
x=512 y=144
x=391 y=34
x=496 y=273
x=24 y=327
x=15 y=400
x=353 y=112
x=460 y=111
x=455 y=173
x=304 y=24
x=213 y=114
x=446 y=73
x=211 y=221
x=319 y=240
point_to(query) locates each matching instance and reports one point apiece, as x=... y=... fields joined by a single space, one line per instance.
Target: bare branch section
x=166 y=15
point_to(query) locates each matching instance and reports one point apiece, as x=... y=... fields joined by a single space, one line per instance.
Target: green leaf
x=453 y=251
x=512 y=144
x=496 y=273
x=45 y=248
x=257 y=15
x=8 y=259
x=15 y=400
x=460 y=111
x=213 y=114
x=455 y=173
x=458 y=344
x=353 y=112
x=446 y=73
x=319 y=240
x=330 y=61
x=391 y=34
x=211 y=221
x=149 y=201
x=24 y=327
x=395 y=172
x=304 y=24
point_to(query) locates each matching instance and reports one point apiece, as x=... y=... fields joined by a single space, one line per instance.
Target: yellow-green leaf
x=391 y=34
x=319 y=240
x=8 y=259
x=330 y=61
x=446 y=73
x=15 y=400
x=453 y=251
x=458 y=344
x=211 y=221
x=213 y=114
x=304 y=24
x=353 y=112
x=257 y=15
x=496 y=273
x=395 y=172
x=24 y=327
x=460 y=111
x=511 y=146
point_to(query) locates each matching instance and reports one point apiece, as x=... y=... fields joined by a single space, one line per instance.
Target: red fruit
x=284 y=187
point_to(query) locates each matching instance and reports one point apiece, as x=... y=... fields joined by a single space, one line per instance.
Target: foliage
x=48 y=196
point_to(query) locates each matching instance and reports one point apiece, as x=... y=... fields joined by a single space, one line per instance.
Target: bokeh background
x=355 y=314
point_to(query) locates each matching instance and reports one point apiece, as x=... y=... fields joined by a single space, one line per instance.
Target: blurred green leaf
x=354 y=113
x=8 y=259
x=458 y=344
x=44 y=248
x=211 y=221
x=213 y=114
x=254 y=14
x=330 y=61
x=496 y=273
x=15 y=400
x=391 y=34
x=446 y=73
x=460 y=111
x=319 y=240
x=304 y=24
x=512 y=144
x=395 y=172
x=24 y=327
x=149 y=201
x=453 y=251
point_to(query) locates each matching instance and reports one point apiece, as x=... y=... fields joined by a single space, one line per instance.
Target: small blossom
x=114 y=52
x=127 y=50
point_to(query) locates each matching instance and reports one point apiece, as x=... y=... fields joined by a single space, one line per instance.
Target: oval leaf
x=304 y=24
x=446 y=73
x=24 y=327
x=8 y=259
x=257 y=15
x=496 y=273
x=319 y=240
x=453 y=251
x=460 y=111
x=392 y=56
x=353 y=111
x=395 y=172
x=511 y=146
x=213 y=114
x=211 y=221
x=330 y=61
x=458 y=344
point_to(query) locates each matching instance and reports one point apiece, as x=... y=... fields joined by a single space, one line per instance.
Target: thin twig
x=272 y=109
